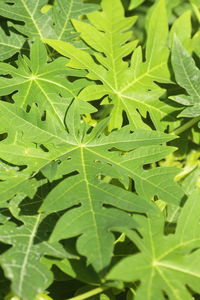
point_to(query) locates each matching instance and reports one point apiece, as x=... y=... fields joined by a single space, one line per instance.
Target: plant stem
x=89 y=294
x=186 y=126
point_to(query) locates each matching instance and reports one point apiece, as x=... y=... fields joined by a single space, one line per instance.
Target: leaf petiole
x=89 y=294
x=186 y=126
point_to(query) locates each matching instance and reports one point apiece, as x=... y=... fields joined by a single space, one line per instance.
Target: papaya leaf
x=166 y=265
x=187 y=75
x=35 y=24
x=38 y=81
x=131 y=87
x=92 y=156
x=21 y=263
x=10 y=43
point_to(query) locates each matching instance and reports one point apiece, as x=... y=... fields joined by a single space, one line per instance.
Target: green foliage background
x=99 y=149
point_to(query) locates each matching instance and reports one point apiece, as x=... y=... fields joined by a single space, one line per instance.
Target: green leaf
x=90 y=156
x=62 y=13
x=187 y=76
x=166 y=264
x=88 y=218
x=54 y=23
x=35 y=24
x=10 y=44
x=131 y=88
x=182 y=28
x=21 y=263
x=42 y=82
x=135 y=3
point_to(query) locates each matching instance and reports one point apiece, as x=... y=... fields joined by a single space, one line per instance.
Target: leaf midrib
x=26 y=257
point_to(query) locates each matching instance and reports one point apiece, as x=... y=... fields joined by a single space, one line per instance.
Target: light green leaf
x=187 y=76
x=42 y=82
x=166 y=264
x=135 y=3
x=182 y=28
x=29 y=12
x=130 y=88
x=62 y=13
x=196 y=42
x=54 y=23
x=9 y=44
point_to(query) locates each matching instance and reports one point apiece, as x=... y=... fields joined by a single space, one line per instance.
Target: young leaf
x=187 y=76
x=166 y=264
x=131 y=88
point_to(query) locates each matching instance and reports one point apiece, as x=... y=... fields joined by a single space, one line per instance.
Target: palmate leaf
x=187 y=76
x=131 y=88
x=166 y=265
x=55 y=23
x=9 y=44
x=90 y=155
x=21 y=263
x=38 y=81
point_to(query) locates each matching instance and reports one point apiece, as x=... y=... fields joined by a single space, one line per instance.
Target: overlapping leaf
x=21 y=262
x=90 y=156
x=167 y=265
x=10 y=43
x=37 y=81
x=62 y=13
x=187 y=76
x=67 y=185
x=131 y=88
x=35 y=24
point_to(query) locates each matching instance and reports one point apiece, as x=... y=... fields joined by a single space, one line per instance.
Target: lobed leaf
x=91 y=156
x=131 y=88
x=21 y=262
x=37 y=24
x=187 y=76
x=166 y=265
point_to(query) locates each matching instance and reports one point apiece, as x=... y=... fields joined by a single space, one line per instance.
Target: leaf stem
x=186 y=126
x=89 y=294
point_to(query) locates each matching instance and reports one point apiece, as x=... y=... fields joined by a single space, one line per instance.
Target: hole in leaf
x=147 y=166
x=28 y=108
x=170 y=228
x=10 y=3
x=165 y=295
x=44 y=148
x=3 y=136
x=44 y=115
